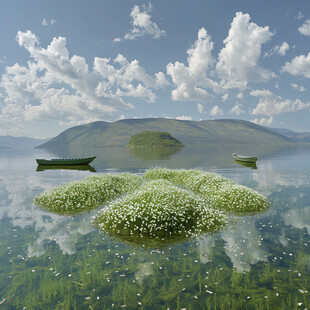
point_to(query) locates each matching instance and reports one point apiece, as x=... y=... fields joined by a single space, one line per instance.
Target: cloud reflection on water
x=16 y=194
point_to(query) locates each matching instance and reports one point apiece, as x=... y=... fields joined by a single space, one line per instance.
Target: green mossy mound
x=154 y=139
x=222 y=193
x=88 y=194
x=159 y=209
x=165 y=203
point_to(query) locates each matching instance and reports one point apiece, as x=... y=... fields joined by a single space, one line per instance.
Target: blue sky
x=65 y=63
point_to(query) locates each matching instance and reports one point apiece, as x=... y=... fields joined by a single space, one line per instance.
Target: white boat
x=246 y=159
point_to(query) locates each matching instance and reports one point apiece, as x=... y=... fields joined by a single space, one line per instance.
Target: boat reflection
x=65 y=167
x=246 y=164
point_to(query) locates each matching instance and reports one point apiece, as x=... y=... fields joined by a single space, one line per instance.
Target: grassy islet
x=88 y=194
x=163 y=203
x=160 y=209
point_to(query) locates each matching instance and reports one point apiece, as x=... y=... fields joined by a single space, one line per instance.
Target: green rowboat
x=246 y=159
x=65 y=162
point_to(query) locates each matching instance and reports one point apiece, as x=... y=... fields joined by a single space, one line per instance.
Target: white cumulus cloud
x=238 y=60
x=237 y=109
x=298 y=87
x=142 y=24
x=200 y=108
x=270 y=104
x=300 y=65
x=46 y=22
x=263 y=121
x=191 y=80
x=282 y=49
x=305 y=28
x=300 y=15
x=279 y=49
x=216 y=111
x=54 y=85
x=184 y=118
x=240 y=95
x=225 y=97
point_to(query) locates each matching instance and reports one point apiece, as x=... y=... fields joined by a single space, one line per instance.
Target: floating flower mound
x=238 y=198
x=164 y=203
x=159 y=209
x=175 y=176
x=219 y=191
x=87 y=194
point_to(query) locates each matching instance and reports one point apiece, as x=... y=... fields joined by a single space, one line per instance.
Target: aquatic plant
x=105 y=274
x=164 y=203
x=218 y=191
x=176 y=176
x=87 y=194
x=159 y=209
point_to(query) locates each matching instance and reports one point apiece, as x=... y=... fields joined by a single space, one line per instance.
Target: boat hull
x=245 y=159
x=65 y=162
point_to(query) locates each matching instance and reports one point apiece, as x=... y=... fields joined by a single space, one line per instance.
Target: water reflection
x=245 y=164
x=299 y=218
x=124 y=158
x=144 y=270
x=150 y=243
x=159 y=153
x=269 y=252
x=243 y=245
x=16 y=195
x=71 y=167
x=270 y=178
x=63 y=231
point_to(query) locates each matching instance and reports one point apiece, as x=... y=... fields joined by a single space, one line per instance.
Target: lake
x=260 y=261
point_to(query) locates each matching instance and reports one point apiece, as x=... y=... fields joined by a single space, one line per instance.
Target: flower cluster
x=163 y=203
x=87 y=194
x=159 y=209
x=219 y=191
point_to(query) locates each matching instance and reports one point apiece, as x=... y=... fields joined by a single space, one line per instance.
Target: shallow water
x=262 y=261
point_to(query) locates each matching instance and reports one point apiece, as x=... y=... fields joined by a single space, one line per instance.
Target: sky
x=65 y=63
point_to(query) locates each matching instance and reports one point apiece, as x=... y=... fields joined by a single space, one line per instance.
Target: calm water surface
x=262 y=261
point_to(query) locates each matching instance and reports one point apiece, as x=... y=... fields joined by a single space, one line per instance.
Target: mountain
x=190 y=133
x=295 y=136
x=10 y=142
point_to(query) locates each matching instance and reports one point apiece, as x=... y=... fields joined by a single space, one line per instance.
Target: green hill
x=191 y=133
x=153 y=139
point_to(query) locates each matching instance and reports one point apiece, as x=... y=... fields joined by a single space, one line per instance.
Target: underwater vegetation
x=259 y=262
x=162 y=203
x=106 y=274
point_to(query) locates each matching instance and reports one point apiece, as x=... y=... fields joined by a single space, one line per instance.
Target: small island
x=154 y=139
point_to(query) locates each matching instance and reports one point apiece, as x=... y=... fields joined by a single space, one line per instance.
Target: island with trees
x=154 y=139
